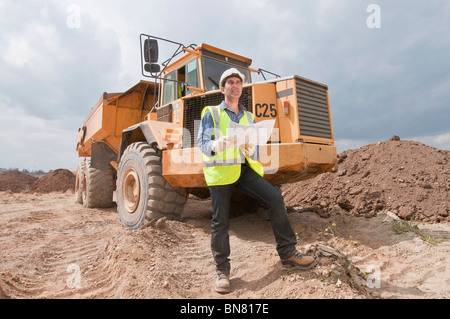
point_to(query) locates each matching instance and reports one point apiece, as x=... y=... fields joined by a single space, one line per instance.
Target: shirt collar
x=223 y=106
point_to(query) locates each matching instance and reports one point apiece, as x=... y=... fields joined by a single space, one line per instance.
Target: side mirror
x=151 y=50
x=152 y=68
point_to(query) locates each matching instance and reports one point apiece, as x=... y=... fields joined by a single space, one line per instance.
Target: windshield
x=213 y=69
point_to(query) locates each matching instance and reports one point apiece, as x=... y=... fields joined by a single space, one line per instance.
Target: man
x=227 y=166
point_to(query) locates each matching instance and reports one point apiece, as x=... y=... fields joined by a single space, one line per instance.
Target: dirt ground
x=51 y=247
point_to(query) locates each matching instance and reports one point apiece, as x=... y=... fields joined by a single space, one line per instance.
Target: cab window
x=213 y=69
x=192 y=75
x=187 y=74
x=169 y=88
x=176 y=89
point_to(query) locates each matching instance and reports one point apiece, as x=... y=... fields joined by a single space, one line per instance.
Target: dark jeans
x=257 y=187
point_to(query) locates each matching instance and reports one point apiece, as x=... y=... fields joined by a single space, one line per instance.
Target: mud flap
x=101 y=156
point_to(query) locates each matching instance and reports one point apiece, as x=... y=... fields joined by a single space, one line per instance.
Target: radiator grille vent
x=164 y=114
x=313 y=112
x=193 y=108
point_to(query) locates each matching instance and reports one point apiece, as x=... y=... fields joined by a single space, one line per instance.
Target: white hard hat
x=231 y=72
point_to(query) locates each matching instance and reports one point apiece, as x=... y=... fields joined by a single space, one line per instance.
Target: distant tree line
x=26 y=171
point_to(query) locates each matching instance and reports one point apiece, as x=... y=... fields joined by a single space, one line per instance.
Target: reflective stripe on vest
x=224 y=168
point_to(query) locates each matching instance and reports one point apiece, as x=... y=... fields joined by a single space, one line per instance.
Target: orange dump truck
x=141 y=144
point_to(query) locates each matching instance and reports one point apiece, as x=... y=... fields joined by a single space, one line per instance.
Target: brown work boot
x=300 y=261
x=222 y=284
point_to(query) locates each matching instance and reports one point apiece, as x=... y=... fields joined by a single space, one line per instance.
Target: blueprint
x=256 y=134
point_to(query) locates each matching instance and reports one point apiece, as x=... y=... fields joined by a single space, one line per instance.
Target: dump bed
x=113 y=113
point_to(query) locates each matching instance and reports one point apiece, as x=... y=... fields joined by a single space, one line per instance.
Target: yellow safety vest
x=224 y=168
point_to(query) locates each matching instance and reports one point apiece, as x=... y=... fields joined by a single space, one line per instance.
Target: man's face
x=232 y=87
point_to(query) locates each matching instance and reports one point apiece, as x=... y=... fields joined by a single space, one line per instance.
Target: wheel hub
x=131 y=191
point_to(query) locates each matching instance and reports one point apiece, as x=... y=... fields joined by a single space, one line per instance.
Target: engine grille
x=313 y=115
x=164 y=114
x=193 y=108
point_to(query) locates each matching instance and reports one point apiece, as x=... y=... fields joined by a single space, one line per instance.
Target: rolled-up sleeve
x=205 y=134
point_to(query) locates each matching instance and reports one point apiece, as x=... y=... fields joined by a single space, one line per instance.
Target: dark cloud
x=52 y=74
x=390 y=80
x=52 y=67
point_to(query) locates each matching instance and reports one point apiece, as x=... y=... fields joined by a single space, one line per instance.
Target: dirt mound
x=60 y=180
x=16 y=181
x=407 y=178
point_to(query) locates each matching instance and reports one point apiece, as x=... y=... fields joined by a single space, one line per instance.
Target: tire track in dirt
x=46 y=250
x=180 y=260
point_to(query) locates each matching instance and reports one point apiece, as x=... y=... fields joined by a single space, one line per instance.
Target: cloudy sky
x=387 y=66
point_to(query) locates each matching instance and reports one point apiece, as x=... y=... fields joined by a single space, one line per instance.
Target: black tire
x=142 y=192
x=98 y=187
x=79 y=183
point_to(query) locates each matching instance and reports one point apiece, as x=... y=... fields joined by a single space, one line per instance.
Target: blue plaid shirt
x=204 y=138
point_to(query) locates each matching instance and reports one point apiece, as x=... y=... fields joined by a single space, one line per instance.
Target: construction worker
x=227 y=166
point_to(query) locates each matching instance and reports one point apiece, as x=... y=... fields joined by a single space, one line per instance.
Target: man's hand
x=223 y=143
x=248 y=149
